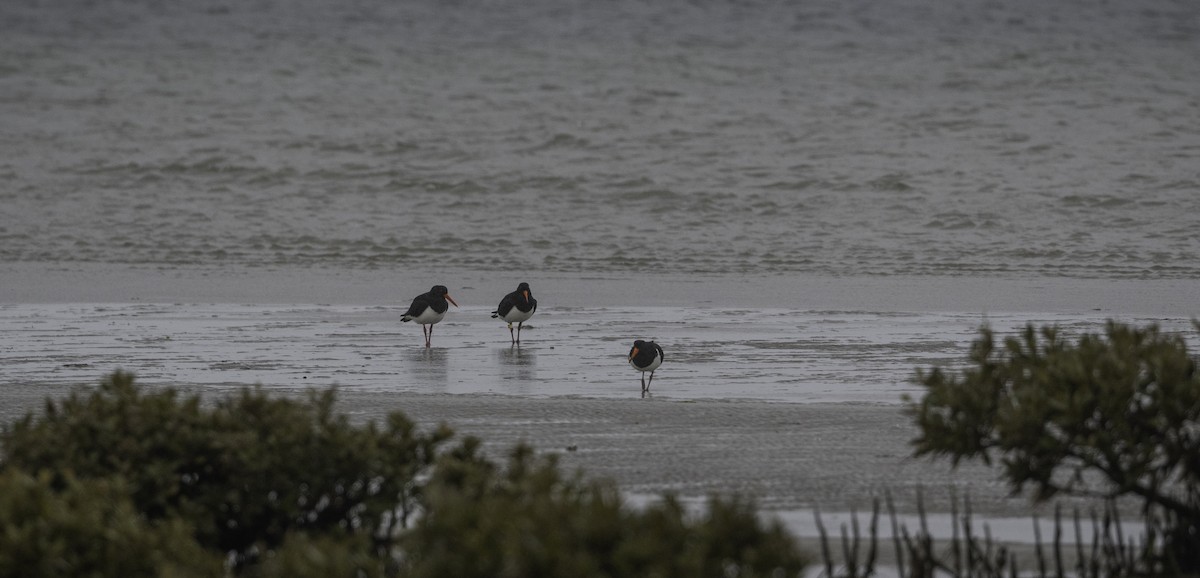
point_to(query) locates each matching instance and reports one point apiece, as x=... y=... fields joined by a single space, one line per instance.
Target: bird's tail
x=406 y=319
x=495 y=314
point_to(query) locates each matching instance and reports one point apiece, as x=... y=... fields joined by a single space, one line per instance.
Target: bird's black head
x=523 y=287
x=638 y=347
x=443 y=292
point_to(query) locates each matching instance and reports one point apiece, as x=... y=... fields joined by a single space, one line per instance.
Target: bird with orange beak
x=429 y=308
x=645 y=356
x=516 y=307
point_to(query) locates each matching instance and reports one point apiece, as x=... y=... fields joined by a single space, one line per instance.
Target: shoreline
x=89 y=282
x=776 y=355
x=789 y=458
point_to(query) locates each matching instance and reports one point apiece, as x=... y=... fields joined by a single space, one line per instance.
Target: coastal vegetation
x=124 y=481
x=1107 y=416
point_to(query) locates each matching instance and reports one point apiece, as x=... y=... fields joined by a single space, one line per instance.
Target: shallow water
x=784 y=355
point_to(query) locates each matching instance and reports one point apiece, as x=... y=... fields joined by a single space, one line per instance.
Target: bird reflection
x=429 y=365
x=518 y=363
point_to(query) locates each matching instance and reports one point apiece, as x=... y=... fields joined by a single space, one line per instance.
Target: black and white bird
x=429 y=308
x=516 y=307
x=645 y=356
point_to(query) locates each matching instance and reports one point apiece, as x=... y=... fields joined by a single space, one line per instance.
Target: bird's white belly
x=517 y=316
x=429 y=316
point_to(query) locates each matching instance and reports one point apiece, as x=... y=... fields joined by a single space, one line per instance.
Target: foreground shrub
x=530 y=520
x=287 y=488
x=324 y=556
x=89 y=528
x=1122 y=408
x=244 y=473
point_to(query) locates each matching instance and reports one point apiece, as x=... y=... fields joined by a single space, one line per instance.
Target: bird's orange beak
x=633 y=354
x=526 y=295
x=450 y=300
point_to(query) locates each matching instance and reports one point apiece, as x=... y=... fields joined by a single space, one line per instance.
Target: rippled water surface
x=844 y=138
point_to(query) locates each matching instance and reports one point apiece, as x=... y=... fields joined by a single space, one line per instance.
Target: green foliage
x=89 y=528
x=1123 y=406
x=244 y=473
x=324 y=556
x=289 y=488
x=530 y=520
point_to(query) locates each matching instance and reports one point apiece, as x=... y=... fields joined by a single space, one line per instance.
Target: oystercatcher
x=429 y=308
x=516 y=307
x=645 y=356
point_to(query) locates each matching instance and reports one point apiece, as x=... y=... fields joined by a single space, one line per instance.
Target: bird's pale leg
x=428 y=335
x=644 y=387
x=519 y=324
x=510 y=334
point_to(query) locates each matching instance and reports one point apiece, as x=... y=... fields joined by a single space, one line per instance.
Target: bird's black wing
x=418 y=305
x=506 y=304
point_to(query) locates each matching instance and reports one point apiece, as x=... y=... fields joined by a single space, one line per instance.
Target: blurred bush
x=1112 y=415
x=89 y=528
x=530 y=520
x=279 y=487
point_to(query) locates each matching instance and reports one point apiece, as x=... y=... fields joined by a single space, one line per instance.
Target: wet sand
x=743 y=354
x=787 y=456
x=791 y=458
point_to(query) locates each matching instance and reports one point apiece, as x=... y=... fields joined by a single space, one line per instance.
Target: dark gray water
x=917 y=137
